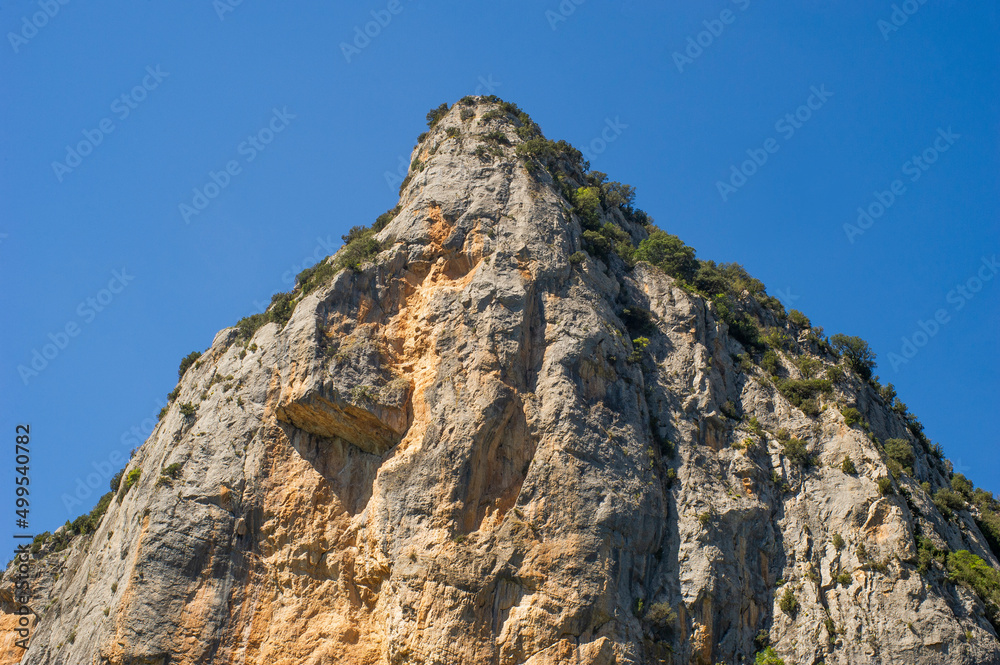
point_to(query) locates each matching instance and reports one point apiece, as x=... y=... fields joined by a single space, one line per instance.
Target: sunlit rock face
x=480 y=445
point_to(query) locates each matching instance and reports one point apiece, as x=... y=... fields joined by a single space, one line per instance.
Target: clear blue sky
x=680 y=127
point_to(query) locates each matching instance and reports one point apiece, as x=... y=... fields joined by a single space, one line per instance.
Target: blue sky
x=199 y=82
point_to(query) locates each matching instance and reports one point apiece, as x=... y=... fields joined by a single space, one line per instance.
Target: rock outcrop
x=485 y=445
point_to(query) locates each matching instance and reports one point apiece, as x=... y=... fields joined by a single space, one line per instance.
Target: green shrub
x=116 y=480
x=383 y=220
x=668 y=253
x=851 y=416
x=770 y=362
x=730 y=410
x=609 y=238
x=453 y=132
x=799 y=319
x=354 y=233
x=163 y=413
x=361 y=248
x=39 y=542
x=85 y=524
x=172 y=471
x=741 y=326
x=988 y=522
x=625 y=251
x=316 y=276
x=847 y=466
x=776 y=338
x=188 y=409
x=587 y=206
x=838 y=542
x=617 y=194
x=798 y=391
x=547 y=152
x=948 y=500
x=483 y=152
x=186 y=362
x=844 y=579
x=739 y=280
x=662 y=617
x=960 y=484
x=639 y=345
x=281 y=308
x=927 y=553
x=768 y=657
x=887 y=393
x=773 y=304
x=744 y=362
x=709 y=279
x=885 y=486
x=132 y=478
x=576 y=258
x=788 y=604
x=102 y=507
x=797 y=453
x=901 y=452
x=859 y=356
x=596 y=244
x=279 y=311
x=434 y=115
x=810 y=407
x=809 y=367
x=493 y=114
x=496 y=137
x=671 y=472
x=969 y=570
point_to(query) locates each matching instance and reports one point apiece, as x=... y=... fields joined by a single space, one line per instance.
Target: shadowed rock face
x=458 y=455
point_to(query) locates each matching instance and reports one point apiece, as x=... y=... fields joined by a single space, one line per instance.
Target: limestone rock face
x=458 y=454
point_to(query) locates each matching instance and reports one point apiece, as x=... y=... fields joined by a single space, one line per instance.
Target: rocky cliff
x=514 y=423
